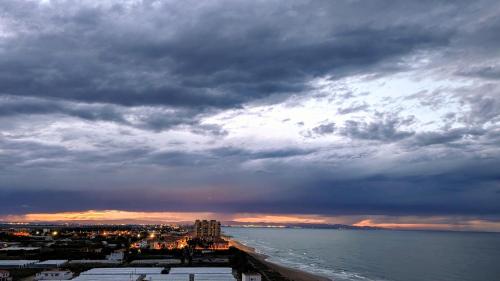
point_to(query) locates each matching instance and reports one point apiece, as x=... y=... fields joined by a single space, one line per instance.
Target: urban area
x=196 y=252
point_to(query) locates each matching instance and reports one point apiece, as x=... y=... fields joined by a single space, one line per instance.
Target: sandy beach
x=289 y=273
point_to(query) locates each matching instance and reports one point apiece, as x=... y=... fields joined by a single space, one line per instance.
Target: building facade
x=54 y=275
x=207 y=230
x=251 y=277
x=5 y=275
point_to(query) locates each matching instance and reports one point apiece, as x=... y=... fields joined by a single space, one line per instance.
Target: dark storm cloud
x=24 y=201
x=324 y=129
x=240 y=154
x=386 y=129
x=452 y=192
x=448 y=192
x=220 y=59
x=219 y=157
x=449 y=184
x=486 y=72
x=34 y=201
x=446 y=137
x=22 y=154
x=26 y=152
x=484 y=103
x=31 y=106
x=321 y=130
x=352 y=108
x=152 y=66
x=208 y=129
x=149 y=118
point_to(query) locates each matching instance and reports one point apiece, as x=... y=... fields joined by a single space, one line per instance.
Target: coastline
x=289 y=273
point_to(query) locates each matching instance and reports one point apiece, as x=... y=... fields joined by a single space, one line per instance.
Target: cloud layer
x=319 y=108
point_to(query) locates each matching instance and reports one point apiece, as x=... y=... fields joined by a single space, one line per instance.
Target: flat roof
x=95 y=261
x=52 y=262
x=118 y=277
x=17 y=262
x=251 y=274
x=167 y=277
x=198 y=270
x=123 y=271
x=214 y=277
x=185 y=277
x=153 y=261
x=20 y=249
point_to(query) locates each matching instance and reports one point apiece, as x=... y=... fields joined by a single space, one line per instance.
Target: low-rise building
x=19 y=249
x=16 y=263
x=116 y=256
x=194 y=274
x=123 y=271
x=50 y=264
x=129 y=277
x=157 y=262
x=95 y=262
x=251 y=277
x=5 y=275
x=54 y=275
x=155 y=245
x=143 y=244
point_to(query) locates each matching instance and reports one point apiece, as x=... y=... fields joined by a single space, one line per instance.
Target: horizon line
x=123 y=217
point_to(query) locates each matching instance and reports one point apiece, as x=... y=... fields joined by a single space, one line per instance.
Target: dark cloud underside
x=314 y=107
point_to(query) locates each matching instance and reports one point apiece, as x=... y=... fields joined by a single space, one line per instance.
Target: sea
x=379 y=255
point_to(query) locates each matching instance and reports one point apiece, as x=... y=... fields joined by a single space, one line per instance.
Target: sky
x=377 y=113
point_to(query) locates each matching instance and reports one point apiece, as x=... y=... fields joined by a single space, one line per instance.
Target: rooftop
x=200 y=270
x=117 y=277
x=20 y=248
x=47 y=262
x=17 y=262
x=123 y=271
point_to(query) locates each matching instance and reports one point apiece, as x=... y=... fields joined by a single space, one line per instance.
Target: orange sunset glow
x=109 y=216
x=282 y=219
x=123 y=217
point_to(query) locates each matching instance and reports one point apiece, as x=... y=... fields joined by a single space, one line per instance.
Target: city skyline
x=321 y=112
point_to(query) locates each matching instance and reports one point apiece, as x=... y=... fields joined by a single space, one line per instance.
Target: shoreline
x=290 y=273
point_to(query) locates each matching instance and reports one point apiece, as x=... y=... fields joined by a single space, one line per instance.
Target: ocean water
x=379 y=254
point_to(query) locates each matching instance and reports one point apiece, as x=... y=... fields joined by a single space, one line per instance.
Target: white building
x=54 y=275
x=196 y=274
x=130 y=277
x=5 y=275
x=50 y=264
x=123 y=271
x=116 y=256
x=159 y=262
x=118 y=273
x=15 y=249
x=95 y=262
x=16 y=263
x=250 y=277
x=201 y=270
